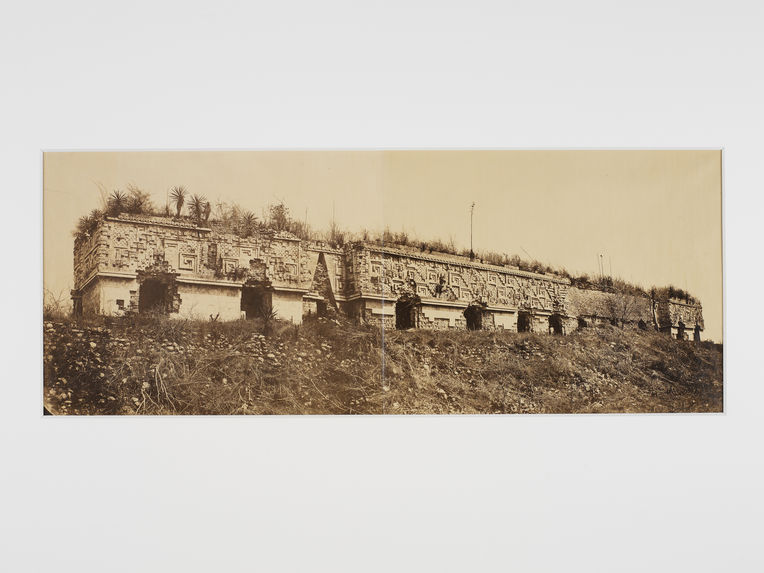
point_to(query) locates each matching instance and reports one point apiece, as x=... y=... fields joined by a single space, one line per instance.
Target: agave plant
x=248 y=221
x=196 y=206
x=178 y=196
x=82 y=227
x=87 y=224
x=117 y=202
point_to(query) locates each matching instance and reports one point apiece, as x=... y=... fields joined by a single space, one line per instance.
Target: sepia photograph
x=381 y=287
x=382 y=282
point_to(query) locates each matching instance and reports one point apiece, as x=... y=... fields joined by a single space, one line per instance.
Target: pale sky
x=654 y=215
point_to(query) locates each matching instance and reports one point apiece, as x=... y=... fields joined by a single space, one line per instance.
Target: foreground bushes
x=160 y=366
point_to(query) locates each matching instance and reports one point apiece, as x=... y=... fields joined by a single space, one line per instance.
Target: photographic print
x=382 y=282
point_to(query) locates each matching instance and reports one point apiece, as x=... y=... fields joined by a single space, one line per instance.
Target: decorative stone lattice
x=385 y=272
x=354 y=278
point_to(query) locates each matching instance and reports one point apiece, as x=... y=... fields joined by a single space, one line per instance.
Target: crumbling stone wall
x=597 y=306
x=326 y=269
x=378 y=313
x=322 y=286
x=121 y=247
x=364 y=280
x=688 y=314
x=90 y=255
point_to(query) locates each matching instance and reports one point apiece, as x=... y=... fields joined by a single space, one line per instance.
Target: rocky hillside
x=160 y=366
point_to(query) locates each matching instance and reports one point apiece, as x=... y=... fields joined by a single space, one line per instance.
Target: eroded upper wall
x=689 y=314
x=591 y=303
x=335 y=268
x=132 y=246
x=90 y=255
x=597 y=304
x=380 y=271
x=127 y=245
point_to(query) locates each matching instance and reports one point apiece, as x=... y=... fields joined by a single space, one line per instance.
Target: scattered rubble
x=332 y=367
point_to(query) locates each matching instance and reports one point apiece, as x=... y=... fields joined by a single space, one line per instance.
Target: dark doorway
x=696 y=334
x=680 y=331
x=582 y=322
x=407 y=312
x=555 y=324
x=321 y=307
x=157 y=290
x=153 y=296
x=642 y=324
x=474 y=315
x=255 y=301
x=523 y=322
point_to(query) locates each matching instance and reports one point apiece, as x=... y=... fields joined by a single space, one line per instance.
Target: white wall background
x=545 y=493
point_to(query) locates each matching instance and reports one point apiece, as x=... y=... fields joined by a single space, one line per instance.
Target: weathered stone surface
x=204 y=271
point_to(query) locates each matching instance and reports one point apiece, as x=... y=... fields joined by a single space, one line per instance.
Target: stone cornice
x=159 y=222
x=206 y=282
x=458 y=304
x=108 y=274
x=186 y=280
x=322 y=249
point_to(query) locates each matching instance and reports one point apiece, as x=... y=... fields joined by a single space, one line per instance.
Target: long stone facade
x=155 y=264
x=447 y=289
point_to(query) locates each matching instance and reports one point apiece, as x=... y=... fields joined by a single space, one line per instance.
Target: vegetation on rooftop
x=231 y=218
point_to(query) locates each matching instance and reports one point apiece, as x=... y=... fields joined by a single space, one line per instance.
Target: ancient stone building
x=154 y=264
x=409 y=288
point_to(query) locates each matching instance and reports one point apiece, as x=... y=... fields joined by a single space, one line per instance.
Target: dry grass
x=160 y=366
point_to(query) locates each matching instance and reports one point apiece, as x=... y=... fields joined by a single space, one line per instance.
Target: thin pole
x=472 y=213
